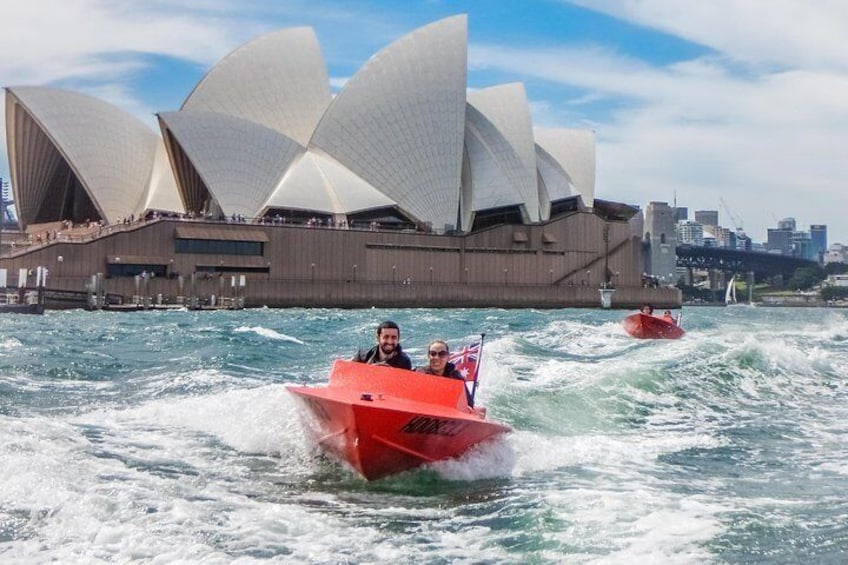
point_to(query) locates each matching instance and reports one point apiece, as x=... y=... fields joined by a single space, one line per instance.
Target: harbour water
x=162 y=437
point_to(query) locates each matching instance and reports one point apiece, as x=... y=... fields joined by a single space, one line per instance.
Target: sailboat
x=730 y=293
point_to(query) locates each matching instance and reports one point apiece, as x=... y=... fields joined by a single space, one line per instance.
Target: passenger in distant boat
x=668 y=317
x=647 y=309
x=437 y=355
x=388 y=350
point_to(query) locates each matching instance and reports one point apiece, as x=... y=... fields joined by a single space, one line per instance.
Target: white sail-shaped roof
x=555 y=184
x=278 y=80
x=399 y=122
x=494 y=171
x=162 y=193
x=240 y=162
x=505 y=107
x=574 y=150
x=110 y=152
x=316 y=182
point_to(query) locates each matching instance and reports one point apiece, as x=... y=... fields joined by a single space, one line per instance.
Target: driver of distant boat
x=388 y=350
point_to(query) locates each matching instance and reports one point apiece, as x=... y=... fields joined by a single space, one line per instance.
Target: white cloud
x=796 y=33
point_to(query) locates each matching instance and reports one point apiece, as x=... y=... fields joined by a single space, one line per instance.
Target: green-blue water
x=169 y=437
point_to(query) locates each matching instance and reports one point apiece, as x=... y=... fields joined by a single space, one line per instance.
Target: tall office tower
x=707 y=217
x=818 y=235
x=681 y=213
x=802 y=245
x=690 y=233
x=786 y=224
x=779 y=241
x=662 y=239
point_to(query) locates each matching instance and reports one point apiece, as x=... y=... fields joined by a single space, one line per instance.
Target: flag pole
x=477 y=369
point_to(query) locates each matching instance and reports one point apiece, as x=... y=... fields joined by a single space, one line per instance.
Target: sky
x=739 y=106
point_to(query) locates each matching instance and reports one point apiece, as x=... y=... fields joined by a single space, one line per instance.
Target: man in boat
x=388 y=350
x=668 y=317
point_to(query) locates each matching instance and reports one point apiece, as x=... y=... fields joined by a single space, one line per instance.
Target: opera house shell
x=262 y=138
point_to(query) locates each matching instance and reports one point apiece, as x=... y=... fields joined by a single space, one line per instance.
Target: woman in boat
x=647 y=309
x=438 y=364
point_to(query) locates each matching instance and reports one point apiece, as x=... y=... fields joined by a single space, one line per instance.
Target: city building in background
x=780 y=240
x=707 y=217
x=786 y=224
x=802 y=245
x=690 y=233
x=661 y=239
x=818 y=236
x=836 y=253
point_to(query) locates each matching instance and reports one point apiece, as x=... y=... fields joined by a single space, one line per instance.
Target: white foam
x=268 y=333
x=10 y=343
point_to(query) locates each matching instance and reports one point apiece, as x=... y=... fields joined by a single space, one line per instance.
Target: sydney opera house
x=403 y=188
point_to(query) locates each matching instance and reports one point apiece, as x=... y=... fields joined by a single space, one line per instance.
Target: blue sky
x=741 y=100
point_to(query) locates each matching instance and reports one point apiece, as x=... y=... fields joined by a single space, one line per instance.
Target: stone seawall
x=344 y=294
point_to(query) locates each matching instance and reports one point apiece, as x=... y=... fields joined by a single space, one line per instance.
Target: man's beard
x=388 y=349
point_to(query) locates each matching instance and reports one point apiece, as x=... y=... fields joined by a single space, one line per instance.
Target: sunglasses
x=438 y=353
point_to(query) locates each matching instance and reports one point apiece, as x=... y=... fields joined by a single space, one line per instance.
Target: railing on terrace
x=86 y=233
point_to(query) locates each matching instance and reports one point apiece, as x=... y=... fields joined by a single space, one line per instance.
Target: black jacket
x=399 y=360
x=450 y=371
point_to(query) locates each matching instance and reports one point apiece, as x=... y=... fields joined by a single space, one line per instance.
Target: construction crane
x=736 y=223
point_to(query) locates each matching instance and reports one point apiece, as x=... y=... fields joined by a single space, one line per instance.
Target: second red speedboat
x=646 y=326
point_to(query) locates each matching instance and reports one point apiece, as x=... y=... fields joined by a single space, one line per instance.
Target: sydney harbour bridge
x=763 y=265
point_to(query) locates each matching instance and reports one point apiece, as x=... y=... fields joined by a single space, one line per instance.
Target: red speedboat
x=646 y=326
x=383 y=420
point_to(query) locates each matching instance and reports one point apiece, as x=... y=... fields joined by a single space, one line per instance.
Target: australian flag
x=465 y=360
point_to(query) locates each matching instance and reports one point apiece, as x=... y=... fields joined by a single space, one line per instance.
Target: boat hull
x=383 y=421
x=645 y=326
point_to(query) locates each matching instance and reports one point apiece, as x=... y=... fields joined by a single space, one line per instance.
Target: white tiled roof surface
x=505 y=107
x=492 y=166
x=240 y=162
x=398 y=123
x=162 y=193
x=111 y=152
x=278 y=80
x=317 y=182
x=555 y=183
x=574 y=150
